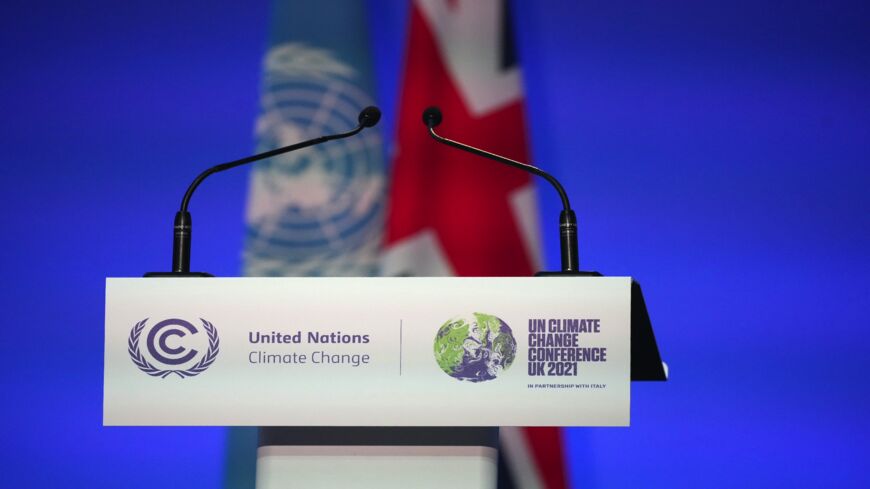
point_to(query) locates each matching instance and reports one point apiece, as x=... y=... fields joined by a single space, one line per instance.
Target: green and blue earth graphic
x=476 y=348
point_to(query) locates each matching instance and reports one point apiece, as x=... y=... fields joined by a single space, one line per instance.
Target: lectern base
x=320 y=458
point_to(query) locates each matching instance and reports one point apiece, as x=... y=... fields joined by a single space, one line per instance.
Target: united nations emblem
x=165 y=359
x=317 y=211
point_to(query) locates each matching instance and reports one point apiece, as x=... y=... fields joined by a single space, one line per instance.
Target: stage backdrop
x=716 y=151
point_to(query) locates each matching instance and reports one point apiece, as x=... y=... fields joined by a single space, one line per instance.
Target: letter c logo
x=159 y=354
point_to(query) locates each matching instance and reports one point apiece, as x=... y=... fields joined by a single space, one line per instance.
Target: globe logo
x=475 y=349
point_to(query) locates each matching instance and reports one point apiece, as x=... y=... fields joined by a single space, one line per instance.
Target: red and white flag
x=453 y=213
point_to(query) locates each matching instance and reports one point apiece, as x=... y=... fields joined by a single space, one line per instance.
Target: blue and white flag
x=318 y=211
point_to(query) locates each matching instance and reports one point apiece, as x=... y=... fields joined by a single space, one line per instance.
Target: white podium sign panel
x=530 y=351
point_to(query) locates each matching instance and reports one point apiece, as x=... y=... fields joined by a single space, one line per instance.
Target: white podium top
x=545 y=351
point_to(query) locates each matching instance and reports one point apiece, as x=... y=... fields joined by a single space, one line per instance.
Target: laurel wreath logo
x=144 y=365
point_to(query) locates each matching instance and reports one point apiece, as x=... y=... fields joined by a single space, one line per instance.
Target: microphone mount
x=181 y=237
x=570 y=261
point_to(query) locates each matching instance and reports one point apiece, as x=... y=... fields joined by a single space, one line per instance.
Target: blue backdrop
x=717 y=151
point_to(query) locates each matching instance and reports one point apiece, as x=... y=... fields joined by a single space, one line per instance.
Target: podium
x=376 y=382
x=386 y=382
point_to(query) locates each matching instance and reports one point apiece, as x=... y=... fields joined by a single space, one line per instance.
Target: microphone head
x=432 y=117
x=369 y=116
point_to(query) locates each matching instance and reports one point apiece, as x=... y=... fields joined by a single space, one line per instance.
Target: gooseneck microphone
x=368 y=117
x=567 y=219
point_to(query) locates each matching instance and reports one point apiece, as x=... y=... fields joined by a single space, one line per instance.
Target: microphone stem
x=257 y=157
x=568 y=241
x=568 y=247
x=181 y=235
x=181 y=242
x=507 y=161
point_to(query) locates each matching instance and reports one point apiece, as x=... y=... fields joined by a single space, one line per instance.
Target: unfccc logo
x=162 y=343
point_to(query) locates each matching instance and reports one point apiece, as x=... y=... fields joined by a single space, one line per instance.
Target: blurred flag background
x=453 y=213
x=319 y=211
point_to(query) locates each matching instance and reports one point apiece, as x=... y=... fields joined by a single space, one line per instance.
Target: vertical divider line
x=400 y=347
